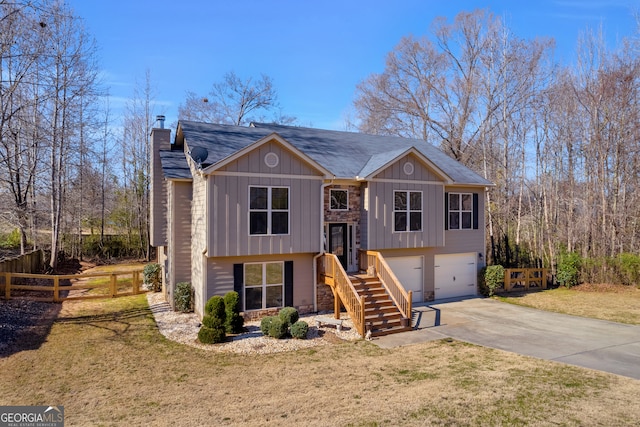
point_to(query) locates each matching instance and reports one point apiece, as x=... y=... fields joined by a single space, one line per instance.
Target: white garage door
x=408 y=270
x=455 y=275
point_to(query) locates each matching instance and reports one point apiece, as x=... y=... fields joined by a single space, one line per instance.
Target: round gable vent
x=271 y=160
x=408 y=168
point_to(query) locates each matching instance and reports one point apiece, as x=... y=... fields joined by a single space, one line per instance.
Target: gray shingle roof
x=345 y=154
x=174 y=164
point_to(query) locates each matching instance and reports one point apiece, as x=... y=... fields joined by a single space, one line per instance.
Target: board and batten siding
x=220 y=273
x=228 y=204
x=461 y=241
x=380 y=203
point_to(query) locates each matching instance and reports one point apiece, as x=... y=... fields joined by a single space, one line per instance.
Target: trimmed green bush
x=299 y=330
x=289 y=315
x=234 y=322
x=568 y=273
x=215 y=307
x=493 y=278
x=153 y=276
x=265 y=324
x=278 y=328
x=182 y=297
x=211 y=335
x=212 y=322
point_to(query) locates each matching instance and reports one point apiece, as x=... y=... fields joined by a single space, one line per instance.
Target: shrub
x=10 y=240
x=278 y=328
x=569 y=269
x=215 y=307
x=212 y=322
x=289 y=315
x=493 y=278
x=299 y=329
x=211 y=335
x=234 y=322
x=152 y=276
x=265 y=324
x=182 y=297
x=630 y=268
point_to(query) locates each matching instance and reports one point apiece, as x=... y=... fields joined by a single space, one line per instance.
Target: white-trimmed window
x=460 y=211
x=339 y=200
x=407 y=211
x=268 y=210
x=263 y=285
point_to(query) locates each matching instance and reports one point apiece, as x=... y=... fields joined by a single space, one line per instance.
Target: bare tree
x=235 y=101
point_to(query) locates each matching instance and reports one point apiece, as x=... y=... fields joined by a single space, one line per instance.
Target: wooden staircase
x=381 y=316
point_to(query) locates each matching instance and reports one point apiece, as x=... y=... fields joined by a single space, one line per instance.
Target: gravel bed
x=25 y=324
x=184 y=327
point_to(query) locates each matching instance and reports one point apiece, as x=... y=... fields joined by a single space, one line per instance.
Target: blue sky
x=315 y=51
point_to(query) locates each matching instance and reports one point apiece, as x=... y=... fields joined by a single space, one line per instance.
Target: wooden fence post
x=7 y=286
x=113 y=286
x=56 y=289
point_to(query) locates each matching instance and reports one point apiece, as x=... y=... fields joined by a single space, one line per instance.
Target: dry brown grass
x=106 y=362
x=617 y=303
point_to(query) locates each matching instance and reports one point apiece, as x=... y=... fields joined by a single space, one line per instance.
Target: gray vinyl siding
x=461 y=241
x=420 y=171
x=180 y=232
x=380 y=234
x=289 y=163
x=220 y=275
x=228 y=205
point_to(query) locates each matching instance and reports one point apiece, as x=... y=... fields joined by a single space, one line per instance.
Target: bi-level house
x=315 y=219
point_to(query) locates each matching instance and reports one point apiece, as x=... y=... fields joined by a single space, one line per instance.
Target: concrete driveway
x=595 y=344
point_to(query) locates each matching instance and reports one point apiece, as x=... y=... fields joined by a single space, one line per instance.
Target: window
x=339 y=200
x=268 y=210
x=460 y=211
x=407 y=211
x=263 y=285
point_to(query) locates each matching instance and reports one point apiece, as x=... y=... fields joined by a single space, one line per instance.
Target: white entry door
x=455 y=275
x=408 y=270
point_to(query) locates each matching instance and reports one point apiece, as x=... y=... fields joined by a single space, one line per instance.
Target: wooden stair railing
x=332 y=273
x=399 y=295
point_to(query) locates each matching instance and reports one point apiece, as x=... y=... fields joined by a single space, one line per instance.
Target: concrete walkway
x=590 y=343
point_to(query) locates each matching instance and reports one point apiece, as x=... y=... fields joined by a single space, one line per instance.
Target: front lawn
x=106 y=362
x=616 y=303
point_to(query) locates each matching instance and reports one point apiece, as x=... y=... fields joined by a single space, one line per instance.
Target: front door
x=338 y=243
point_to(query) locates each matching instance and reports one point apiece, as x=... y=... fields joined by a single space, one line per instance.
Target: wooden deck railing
x=524 y=279
x=332 y=273
x=398 y=293
x=121 y=283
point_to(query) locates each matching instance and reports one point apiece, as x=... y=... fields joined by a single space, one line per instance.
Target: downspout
x=321 y=251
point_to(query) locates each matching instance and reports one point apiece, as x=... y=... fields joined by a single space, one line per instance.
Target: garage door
x=408 y=270
x=455 y=275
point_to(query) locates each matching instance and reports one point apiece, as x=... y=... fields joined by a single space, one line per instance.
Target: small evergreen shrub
x=493 y=278
x=278 y=328
x=215 y=307
x=212 y=322
x=182 y=297
x=299 y=330
x=211 y=335
x=289 y=315
x=629 y=268
x=153 y=276
x=265 y=324
x=10 y=240
x=234 y=322
x=569 y=269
